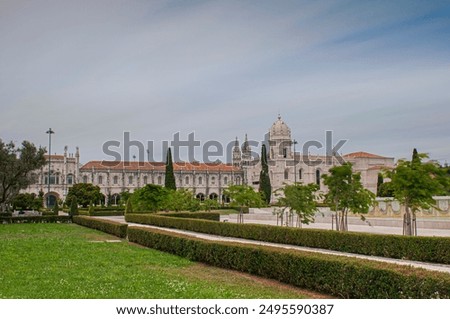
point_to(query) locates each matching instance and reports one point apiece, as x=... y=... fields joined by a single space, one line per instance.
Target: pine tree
x=264 y=180
x=170 y=177
x=73 y=207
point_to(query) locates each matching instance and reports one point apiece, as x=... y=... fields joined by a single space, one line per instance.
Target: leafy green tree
x=91 y=208
x=300 y=200
x=346 y=194
x=73 y=210
x=181 y=200
x=25 y=201
x=56 y=208
x=151 y=198
x=380 y=182
x=386 y=190
x=124 y=196
x=169 y=182
x=414 y=183
x=16 y=167
x=85 y=193
x=243 y=196
x=129 y=207
x=209 y=204
x=265 y=188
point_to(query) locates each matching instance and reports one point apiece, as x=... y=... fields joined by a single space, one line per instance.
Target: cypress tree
x=73 y=207
x=380 y=182
x=129 y=207
x=169 y=182
x=264 y=180
x=56 y=208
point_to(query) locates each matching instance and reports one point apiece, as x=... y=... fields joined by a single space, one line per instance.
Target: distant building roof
x=363 y=155
x=157 y=166
x=54 y=156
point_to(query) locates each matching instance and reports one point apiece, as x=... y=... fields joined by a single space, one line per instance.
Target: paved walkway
x=417 y=264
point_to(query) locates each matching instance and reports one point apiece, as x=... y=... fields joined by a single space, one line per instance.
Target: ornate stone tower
x=236 y=154
x=246 y=152
x=280 y=141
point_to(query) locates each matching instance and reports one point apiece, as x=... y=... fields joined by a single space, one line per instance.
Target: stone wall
x=391 y=208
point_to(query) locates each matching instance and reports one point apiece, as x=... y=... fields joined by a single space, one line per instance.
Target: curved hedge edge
x=336 y=275
x=426 y=249
x=35 y=219
x=107 y=226
x=193 y=215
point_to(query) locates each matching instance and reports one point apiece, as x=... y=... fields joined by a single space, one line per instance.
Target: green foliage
x=73 y=210
x=265 y=188
x=340 y=276
x=151 y=198
x=169 y=181
x=243 y=196
x=124 y=196
x=386 y=190
x=194 y=215
x=85 y=194
x=16 y=165
x=346 y=193
x=129 y=207
x=34 y=219
x=181 y=200
x=107 y=226
x=427 y=249
x=210 y=204
x=56 y=208
x=300 y=200
x=27 y=201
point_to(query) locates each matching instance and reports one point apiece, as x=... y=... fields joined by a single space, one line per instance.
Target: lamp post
x=49 y=132
x=295 y=163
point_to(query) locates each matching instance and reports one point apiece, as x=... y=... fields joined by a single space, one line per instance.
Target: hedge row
x=339 y=276
x=107 y=226
x=34 y=219
x=193 y=215
x=427 y=249
x=107 y=213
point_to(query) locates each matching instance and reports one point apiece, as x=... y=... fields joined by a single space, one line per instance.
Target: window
x=145 y=180
x=200 y=180
x=54 y=179
x=70 y=179
x=318 y=177
x=130 y=180
x=159 y=180
x=300 y=173
x=100 y=179
x=116 y=180
x=85 y=179
x=284 y=152
x=186 y=180
x=238 y=180
x=286 y=174
x=213 y=180
x=225 y=180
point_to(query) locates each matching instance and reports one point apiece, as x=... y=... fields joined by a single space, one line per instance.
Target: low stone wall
x=388 y=207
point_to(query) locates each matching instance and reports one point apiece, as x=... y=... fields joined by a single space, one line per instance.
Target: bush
x=427 y=249
x=107 y=226
x=107 y=213
x=35 y=219
x=196 y=215
x=340 y=276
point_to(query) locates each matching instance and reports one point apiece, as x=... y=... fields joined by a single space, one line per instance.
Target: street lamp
x=49 y=132
x=295 y=163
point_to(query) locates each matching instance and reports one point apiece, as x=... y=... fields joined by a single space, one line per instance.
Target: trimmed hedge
x=340 y=276
x=193 y=215
x=35 y=219
x=107 y=213
x=427 y=249
x=107 y=226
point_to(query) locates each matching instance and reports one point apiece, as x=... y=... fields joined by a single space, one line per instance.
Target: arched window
x=200 y=180
x=213 y=180
x=145 y=180
x=225 y=180
x=70 y=179
x=100 y=179
x=159 y=180
x=116 y=180
x=300 y=173
x=130 y=180
x=318 y=177
x=85 y=179
x=238 y=180
x=284 y=152
x=286 y=174
x=186 y=180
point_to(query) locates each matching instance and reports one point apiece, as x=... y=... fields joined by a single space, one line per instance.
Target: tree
x=181 y=200
x=300 y=200
x=73 y=210
x=85 y=194
x=209 y=204
x=16 y=167
x=91 y=209
x=169 y=182
x=56 y=208
x=129 y=207
x=346 y=194
x=150 y=198
x=25 y=201
x=243 y=196
x=380 y=182
x=264 y=180
x=414 y=184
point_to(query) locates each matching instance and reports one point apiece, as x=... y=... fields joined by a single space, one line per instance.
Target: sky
x=375 y=73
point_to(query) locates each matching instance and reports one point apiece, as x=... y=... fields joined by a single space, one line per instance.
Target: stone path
x=417 y=264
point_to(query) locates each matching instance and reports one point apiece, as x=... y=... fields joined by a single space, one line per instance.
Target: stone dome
x=279 y=129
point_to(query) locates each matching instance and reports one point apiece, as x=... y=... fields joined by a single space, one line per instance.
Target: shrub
x=107 y=213
x=196 y=215
x=107 y=226
x=427 y=249
x=340 y=276
x=35 y=219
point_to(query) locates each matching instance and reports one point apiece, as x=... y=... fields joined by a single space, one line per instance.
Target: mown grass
x=69 y=261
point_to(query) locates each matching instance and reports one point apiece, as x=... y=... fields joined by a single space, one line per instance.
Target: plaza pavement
x=416 y=264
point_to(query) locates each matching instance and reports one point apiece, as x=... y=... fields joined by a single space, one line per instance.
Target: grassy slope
x=67 y=261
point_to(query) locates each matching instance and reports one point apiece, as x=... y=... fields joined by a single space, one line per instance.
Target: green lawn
x=70 y=261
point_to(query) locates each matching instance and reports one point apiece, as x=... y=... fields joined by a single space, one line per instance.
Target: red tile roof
x=157 y=166
x=363 y=155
